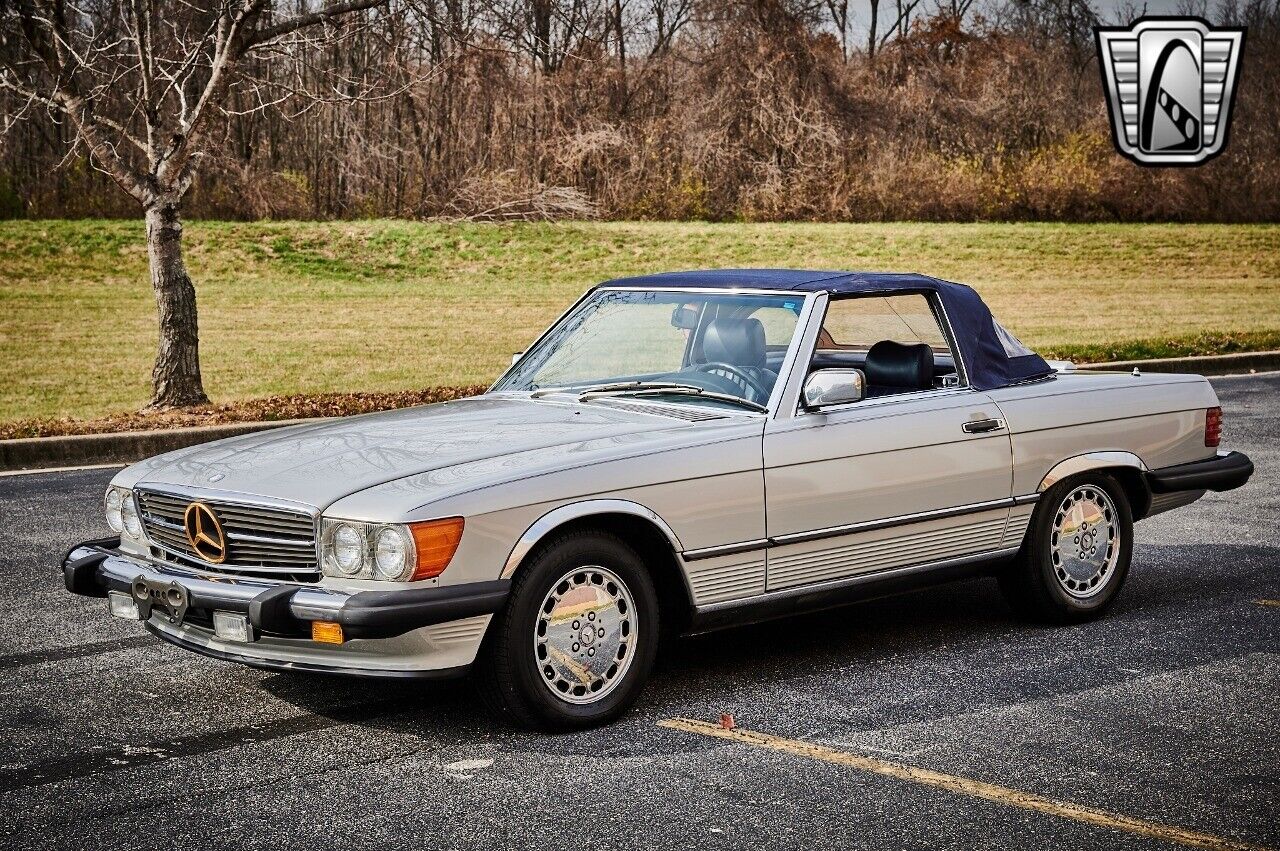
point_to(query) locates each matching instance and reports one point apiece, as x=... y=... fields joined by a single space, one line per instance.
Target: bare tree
x=707 y=109
x=838 y=10
x=902 y=23
x=872 y=26
x=668 y=18
x=144 y=84
x=551 y=32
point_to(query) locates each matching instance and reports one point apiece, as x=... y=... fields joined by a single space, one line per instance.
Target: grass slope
x=302 y=307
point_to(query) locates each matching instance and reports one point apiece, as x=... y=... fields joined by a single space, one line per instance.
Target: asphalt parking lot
x=928 y=720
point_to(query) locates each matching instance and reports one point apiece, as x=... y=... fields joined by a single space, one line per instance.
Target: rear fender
x=1128 y=468
x=1089 y=461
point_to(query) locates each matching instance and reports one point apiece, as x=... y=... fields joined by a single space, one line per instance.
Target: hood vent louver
x=678 y=412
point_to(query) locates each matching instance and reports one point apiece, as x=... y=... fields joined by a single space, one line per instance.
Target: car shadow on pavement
x=968 y=620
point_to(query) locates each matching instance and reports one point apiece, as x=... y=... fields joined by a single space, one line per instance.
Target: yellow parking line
x=959 y=785
x=1268 y=602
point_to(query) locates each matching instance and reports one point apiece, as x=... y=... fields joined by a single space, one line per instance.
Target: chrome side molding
x=853 y=528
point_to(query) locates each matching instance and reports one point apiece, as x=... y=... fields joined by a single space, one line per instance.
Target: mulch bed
x=299 y=406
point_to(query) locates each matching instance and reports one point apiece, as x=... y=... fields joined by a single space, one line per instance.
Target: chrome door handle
x=980 y=426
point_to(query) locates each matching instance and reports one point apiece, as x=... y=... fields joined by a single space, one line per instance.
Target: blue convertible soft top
x=994 y=358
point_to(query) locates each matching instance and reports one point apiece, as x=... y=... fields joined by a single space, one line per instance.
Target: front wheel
x=1076 y=554
x=577 y=639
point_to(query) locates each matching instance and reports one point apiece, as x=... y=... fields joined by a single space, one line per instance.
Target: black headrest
x=736 y=341
x=891 y=364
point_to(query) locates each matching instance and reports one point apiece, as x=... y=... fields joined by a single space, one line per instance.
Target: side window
x=779 y=325
x=896 y=340
x=860 y=323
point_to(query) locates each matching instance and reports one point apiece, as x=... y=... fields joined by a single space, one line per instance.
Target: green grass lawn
x=303 y=307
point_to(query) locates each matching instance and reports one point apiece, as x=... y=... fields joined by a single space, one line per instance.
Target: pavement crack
x=259 y=782
x=75 y=651
x=88 y=763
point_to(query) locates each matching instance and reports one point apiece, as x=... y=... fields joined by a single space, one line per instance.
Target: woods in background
x=685 y=109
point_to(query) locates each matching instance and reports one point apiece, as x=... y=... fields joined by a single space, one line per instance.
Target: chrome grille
x=263 y=540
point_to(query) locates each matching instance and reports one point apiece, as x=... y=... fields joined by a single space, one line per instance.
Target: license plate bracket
x=171 y=598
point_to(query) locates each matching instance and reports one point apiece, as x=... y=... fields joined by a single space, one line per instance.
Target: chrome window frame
x=944 y=325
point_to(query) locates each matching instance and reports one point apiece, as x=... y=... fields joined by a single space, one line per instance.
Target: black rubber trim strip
x=93 y=544
x=727 y=549
x=269 y=612
x=82 y=579
x=81 y=575
x=383 y=614
x=1220 y=473
x=309 y=667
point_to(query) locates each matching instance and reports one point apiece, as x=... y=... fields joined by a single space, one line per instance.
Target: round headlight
x=348 y=549
x=129 y=517
x=390 y=554
x=114 y=499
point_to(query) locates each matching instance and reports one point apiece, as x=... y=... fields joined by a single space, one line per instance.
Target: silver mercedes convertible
x=677 y=453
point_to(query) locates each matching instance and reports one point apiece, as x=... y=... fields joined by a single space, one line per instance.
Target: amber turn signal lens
x=436 y=541
x=327 y=632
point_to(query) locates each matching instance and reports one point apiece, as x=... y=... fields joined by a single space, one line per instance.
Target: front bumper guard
x=93 y=568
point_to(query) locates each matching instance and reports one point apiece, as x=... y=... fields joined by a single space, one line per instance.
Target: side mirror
x=827 y=387
x=515 y=356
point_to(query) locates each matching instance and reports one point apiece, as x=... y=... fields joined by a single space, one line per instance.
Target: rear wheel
x=577 y=639
x=1076 y=554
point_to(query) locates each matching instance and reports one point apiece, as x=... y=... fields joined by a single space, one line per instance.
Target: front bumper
x=281 y=613
x=1225 y=471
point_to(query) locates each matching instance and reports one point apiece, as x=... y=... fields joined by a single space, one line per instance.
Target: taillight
x=1212 y=426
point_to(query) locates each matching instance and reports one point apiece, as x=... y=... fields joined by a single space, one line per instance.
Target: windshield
x=730 y=345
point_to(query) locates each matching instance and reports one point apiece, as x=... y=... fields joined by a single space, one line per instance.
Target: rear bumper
x=399 y=633
x=1226 y=471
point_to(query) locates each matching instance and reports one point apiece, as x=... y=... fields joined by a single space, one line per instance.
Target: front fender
x=557 y=517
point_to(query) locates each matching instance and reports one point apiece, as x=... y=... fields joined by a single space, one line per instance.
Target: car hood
x=317 y=464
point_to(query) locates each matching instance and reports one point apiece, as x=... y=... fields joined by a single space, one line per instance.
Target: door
x=919 y=473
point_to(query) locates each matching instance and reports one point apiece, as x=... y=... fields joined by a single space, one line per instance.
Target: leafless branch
x=267 y=34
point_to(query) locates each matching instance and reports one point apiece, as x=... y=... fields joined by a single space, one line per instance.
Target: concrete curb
x=123 y=447
x=1234 y=364
x=128 y=446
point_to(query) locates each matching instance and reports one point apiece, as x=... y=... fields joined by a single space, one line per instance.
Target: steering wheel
x=746 y=379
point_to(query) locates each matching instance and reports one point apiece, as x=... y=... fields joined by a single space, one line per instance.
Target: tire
x=582 y=600
x=1059 y=576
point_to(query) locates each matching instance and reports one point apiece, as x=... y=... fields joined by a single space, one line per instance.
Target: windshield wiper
x=611 y=387
x=654 y=389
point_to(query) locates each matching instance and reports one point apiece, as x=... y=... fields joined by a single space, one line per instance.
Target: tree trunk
x=871 y=37
x=176 y=378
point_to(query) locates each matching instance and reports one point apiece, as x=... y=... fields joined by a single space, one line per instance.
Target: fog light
x=327 y=632
x=232 y=626
x=122 y=606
